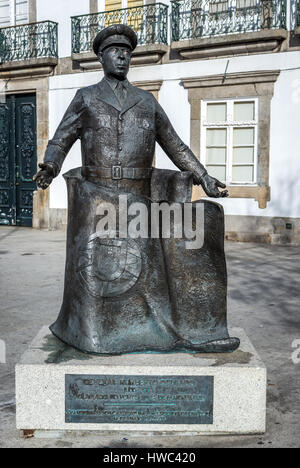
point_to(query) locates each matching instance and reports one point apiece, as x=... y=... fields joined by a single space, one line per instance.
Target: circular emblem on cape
x=109 y=267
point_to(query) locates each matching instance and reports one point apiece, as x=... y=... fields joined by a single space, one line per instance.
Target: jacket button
x=120 y=148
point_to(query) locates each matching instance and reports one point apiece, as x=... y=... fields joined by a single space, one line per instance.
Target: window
x=229 y=140
x=4 y=13
x=218 y=6
x=118 y=4
x=133 y=19
x=13 y=12
x=21 y=11
x=246 y=4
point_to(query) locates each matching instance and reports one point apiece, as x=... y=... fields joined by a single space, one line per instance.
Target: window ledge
x=232 y=44
x=261 y=194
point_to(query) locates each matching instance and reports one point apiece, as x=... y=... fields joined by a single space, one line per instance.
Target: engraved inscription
x=139 y=399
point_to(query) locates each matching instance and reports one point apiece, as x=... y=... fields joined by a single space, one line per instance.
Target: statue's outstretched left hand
x=211 y=187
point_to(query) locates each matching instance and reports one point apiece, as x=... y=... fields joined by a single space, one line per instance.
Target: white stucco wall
x=285 y=122
x=61 y=11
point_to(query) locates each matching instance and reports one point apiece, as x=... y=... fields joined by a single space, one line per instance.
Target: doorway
x=18 y=159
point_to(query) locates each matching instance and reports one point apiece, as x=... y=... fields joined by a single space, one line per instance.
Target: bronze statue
x=122 y=294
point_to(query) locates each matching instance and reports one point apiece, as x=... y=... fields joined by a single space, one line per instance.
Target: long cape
x=143 y=294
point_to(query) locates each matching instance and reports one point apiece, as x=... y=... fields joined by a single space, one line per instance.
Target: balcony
x=297 y=16
x=204 y=28
x=150 y=22
x=26 y=46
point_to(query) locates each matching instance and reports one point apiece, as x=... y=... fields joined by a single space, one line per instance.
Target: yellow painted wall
x=116 y=4
x=113 y=5
x=133 y=19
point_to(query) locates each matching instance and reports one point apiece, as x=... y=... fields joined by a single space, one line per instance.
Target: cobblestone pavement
x=264 y=298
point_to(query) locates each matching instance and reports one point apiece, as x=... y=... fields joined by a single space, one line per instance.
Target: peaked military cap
x=115 y=34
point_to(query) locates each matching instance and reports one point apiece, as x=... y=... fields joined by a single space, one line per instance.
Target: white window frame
x=9 y=4
x=229 y=125
x=12 y=13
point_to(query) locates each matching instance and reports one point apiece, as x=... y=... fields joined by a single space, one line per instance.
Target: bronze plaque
x=139 y=399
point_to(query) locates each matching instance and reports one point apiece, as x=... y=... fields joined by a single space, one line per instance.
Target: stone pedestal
x=60 y=388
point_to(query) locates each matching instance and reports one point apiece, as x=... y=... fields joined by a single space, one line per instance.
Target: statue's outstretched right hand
x=44 y=176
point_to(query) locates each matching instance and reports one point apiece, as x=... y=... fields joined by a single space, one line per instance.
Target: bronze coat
x=111 y=135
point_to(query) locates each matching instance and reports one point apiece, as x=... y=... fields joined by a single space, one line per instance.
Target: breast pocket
x=146 y=130
x=103 y=121
x=103 y=128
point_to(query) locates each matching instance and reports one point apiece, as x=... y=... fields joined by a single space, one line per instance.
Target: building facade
x=227 y=72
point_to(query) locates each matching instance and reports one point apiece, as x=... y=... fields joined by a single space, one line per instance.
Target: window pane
x=218 y=6
x=245 y=4
x=217 y=171
x=243 y=136
x=21 y=11
x=4 y=13
x=4 y=10
x=216 y=137
x=244 y=111
x=243 y=155
x=21 y=6
x=216 y=155
x=242 y=174
x=216 y=112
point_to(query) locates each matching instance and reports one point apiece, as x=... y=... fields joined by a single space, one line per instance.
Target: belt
x=117 y=172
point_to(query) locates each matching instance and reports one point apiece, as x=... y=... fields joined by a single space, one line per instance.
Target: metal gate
x=18 y=161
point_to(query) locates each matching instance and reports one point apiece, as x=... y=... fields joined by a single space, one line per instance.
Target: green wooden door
x=17 y=159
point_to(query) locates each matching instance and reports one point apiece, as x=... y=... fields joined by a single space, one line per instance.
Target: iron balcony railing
x=206 y=18
x=150 y=22
x=297 y=7
x=27 y=41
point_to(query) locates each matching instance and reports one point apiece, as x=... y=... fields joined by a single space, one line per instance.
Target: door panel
x=7 y=158
x=17 y=159
x=25 y=158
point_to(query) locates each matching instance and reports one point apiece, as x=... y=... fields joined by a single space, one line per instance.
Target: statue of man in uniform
x=125 y=295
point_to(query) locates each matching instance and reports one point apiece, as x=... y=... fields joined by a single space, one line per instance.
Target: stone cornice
x=27 y=68
x=232 y=44
x=244 y=78
x=148 y=85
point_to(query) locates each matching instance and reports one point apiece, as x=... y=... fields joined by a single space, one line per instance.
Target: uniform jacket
x=114 y=135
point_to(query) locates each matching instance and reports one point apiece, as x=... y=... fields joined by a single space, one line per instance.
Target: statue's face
x=115 y=61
